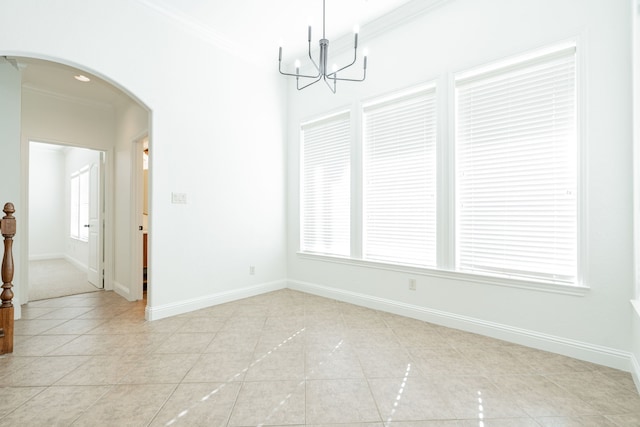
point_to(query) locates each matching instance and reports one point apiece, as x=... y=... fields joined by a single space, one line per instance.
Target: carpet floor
x=56 y=278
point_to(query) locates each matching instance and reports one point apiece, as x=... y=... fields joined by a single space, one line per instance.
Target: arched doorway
x=60 y=106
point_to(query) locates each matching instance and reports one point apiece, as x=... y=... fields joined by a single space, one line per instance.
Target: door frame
x=107 y=231
x=137 y=197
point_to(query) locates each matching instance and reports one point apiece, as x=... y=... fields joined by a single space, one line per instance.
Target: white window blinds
x=516 y=169
x=326 y=186
x=399 y=200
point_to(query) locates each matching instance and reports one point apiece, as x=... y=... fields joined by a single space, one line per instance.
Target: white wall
x=11 y=175
x=46 y=202
x=217 y=135
x=459 y=35
x=52 y=119
x=635 y=331
x=226 y=153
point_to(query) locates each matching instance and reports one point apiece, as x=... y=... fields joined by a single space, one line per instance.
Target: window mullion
x=446 y=176
x=357 y=184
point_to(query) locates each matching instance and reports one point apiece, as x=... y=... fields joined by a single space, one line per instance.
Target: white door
x=95 y=223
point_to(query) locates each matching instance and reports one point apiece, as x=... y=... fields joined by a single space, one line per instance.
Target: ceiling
x=259 y=26
x=227 y=24
x=58 y=79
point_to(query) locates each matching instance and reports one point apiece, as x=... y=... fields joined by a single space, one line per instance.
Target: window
x=399 y=185
x=497 y=196
x=516 y=169
x=326 y=185
x=79 y=209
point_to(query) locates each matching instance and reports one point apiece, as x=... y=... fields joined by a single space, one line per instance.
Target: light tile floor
x=288 y=358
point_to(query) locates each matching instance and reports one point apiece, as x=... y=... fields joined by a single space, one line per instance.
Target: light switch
x=179 y=198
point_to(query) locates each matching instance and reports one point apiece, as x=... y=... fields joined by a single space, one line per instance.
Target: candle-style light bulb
x=297 y=66
x=356 y=29
x=309 y=33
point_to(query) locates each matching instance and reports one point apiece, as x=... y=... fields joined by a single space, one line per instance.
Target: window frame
x=342 y=113
x=428 y=91
x=501 y=67
x=446 y=270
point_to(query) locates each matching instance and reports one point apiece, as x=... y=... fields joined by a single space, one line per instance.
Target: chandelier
x=330 y=78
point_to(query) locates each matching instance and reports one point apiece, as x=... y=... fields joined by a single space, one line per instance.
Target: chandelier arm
x=321 y=65
x=295 y=75
x=364 y=76
x=300 y=75
x=355 y=58
x=312 y=61
x=349 y=80
x=304 y=76
x=309 y=84
x=333 y=89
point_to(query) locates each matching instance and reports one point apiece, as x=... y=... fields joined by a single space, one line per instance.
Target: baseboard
x=579 y=350
x=167 y=310
x=635 y=371
x=79 y=265
x=45 y=257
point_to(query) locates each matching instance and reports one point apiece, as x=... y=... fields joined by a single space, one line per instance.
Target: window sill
x=556 y=288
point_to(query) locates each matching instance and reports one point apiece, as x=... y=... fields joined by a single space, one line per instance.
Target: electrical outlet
x=252 y=270
x=412 y=284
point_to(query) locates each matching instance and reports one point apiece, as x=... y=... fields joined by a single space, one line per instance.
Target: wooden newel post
x=8 y=229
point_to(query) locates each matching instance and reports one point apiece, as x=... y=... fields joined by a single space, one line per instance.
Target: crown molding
x=199 y=30
x=397 y=17
x=378 y=27
x=401 y=15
